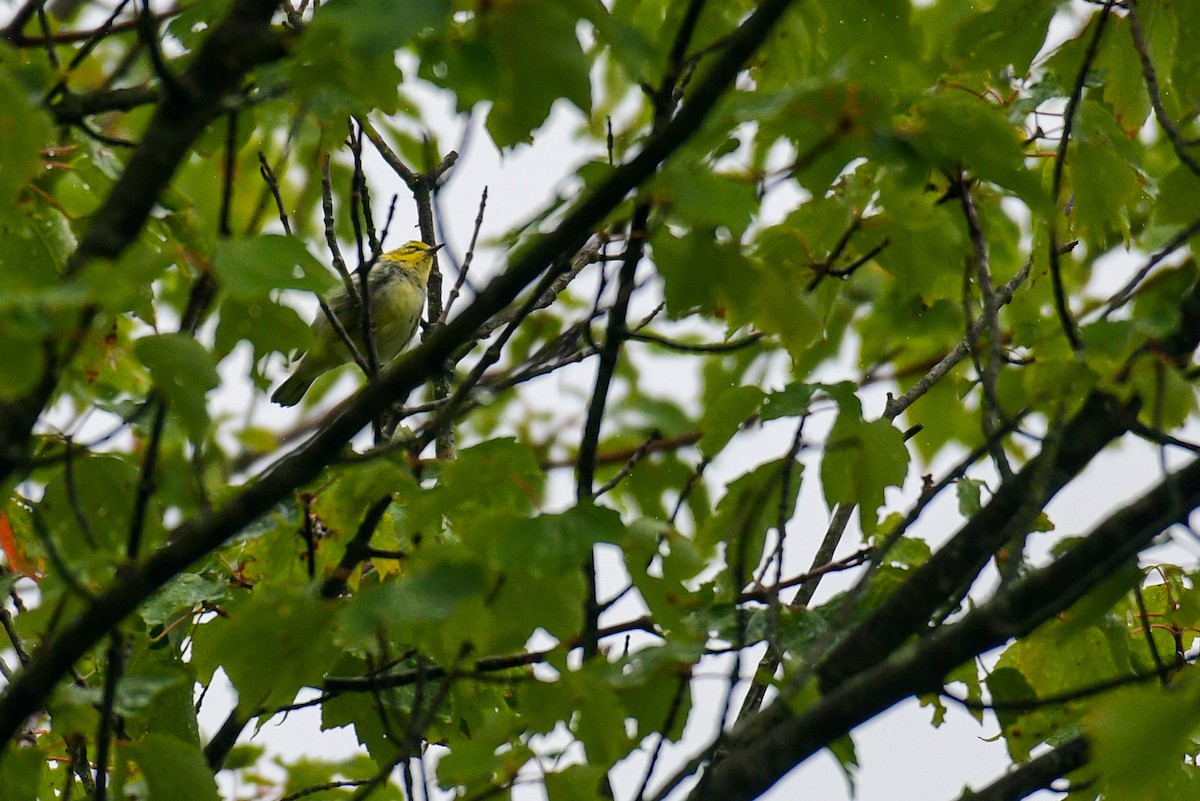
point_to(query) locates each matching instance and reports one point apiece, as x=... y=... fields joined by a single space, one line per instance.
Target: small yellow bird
x=396 y=286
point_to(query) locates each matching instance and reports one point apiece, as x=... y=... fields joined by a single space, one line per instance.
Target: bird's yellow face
x=415 y=256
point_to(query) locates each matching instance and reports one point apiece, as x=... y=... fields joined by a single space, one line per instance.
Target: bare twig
x=1178 y=144
x=1060 y=161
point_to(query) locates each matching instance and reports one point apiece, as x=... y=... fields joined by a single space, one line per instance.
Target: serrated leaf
x=969 y=494
x=253 y=267
x=1140 y=736
x=173 y=770
x=538 y=60
x=750 y=507
x=185 y=592
x=267 y=326
x=21 y=774
x=25 y=129
x=726 y=416
x=1009 y=34
x=699 y=273
x=373 y=28
x=271 y=646
x=861 y=460
x=791 y=401
x=183 y=372
x=953 y=129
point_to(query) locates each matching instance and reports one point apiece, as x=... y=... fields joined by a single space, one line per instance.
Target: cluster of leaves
x=920 y=196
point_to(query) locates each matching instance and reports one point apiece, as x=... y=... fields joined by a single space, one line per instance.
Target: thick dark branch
x=1099 y=421
x=197 y=538
x=70 y=108
x=777 y=740
x=949 y=571
x=1036 y=774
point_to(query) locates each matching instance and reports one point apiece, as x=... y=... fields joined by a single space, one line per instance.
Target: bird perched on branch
x=396 y=286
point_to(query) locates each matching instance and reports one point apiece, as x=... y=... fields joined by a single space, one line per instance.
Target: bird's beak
x=436 y=248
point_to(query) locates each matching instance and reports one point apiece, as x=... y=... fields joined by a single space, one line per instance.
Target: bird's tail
x=291 y=391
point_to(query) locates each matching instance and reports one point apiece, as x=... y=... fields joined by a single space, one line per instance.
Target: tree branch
x=777 y=740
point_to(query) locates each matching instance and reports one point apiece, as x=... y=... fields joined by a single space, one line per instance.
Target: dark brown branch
x=609 y=353
x=71 y=108
x=358 y=550
x=696 y=347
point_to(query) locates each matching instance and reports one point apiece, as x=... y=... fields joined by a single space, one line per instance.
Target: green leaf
x=924 y=238
x=1178 y=197
x=21 y=774
x=537 y=60
x=750 y=507
x=1009 y=690
x=708 y=200
x=954 y=128
x=496 y=476
x=173 y=770
x=1124 y=88
x=184 y=594
x=100 y=491
x=1168 y=397
x=791 y=401
x=699 y=273
x=269 y=327
x=772 y=297
x=439 y=605
x=25 y=129
x=252 y=267
x=345 y=61
x=968 y=675
x=374 y=28
x=1104 y=172
x=183 y=372
x=1009 y=34
x=861 y=460
x=1139 y=738
x=968 y=491
x=577 y=783
x=271 y=646
x=544 y=557
x=726 y=416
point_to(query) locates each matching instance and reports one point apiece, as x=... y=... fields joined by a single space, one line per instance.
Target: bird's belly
x=394 y=328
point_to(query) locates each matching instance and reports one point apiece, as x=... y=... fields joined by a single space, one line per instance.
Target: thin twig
x=624 y=472
x=1060 y=161
x=1178 y=144
x=466 y=265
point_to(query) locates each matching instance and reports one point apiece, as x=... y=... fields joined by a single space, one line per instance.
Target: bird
x=396 y=285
